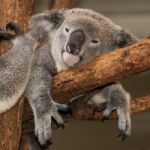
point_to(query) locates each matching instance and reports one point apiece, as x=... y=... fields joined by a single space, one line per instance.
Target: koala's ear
x=53 y=17
x=56 y=18
x=123 y=38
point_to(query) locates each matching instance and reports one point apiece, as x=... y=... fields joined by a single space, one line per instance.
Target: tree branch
x=103 y=69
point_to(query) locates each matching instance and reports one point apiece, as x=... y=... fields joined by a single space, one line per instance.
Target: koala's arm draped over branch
x=117 y=65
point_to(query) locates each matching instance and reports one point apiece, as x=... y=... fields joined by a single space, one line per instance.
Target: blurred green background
x=92 y=135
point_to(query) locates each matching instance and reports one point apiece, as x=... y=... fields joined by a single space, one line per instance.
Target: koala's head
x=80 y=35
x=77 y=40
x=83 y=35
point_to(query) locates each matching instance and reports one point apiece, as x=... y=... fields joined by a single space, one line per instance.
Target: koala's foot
x=111 y=98
x=124 y=122
x=43 y=122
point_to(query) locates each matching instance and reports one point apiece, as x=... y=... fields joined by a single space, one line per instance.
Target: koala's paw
x=43 y=128
x=15 y=27
x=4 y=36
x=124 y=120
x=124 y=123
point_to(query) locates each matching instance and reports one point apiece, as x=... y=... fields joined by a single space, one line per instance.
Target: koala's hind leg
x=114 y=97
x=5 y=36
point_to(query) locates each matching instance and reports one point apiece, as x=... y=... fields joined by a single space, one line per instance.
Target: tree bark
x=18 y=11
x=60 y=4
x=104 y=69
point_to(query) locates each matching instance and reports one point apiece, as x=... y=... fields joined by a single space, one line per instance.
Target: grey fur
x=15 y=68
x=53 y=56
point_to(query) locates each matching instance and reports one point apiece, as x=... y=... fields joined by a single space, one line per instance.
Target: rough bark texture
x=103 y=69
x=59 y=4
x=10 y=127
x=18 y=11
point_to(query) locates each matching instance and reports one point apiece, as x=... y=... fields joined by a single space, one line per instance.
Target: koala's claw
x=15 y=27
x=4 y=36
x=106 y=113
x=61 y=126
x=122 y=136
x=124 y=122
x=104 y=118
x=43 y=124
x=100 y=107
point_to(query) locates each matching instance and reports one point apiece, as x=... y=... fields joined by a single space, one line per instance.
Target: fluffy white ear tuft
x=54 y=17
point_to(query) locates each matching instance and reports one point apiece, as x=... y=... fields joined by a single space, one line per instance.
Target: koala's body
x=74 y=37
x=15 y=68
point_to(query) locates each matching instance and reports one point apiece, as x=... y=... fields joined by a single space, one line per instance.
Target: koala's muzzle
x=75 y=42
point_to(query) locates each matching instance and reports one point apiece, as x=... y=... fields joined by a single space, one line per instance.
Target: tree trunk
x=18 y=11
x=60 y=4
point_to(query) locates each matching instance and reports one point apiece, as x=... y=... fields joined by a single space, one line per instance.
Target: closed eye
x=66 y=29
x=94 y=41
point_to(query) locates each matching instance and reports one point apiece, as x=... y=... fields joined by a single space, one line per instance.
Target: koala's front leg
x=114 y=97
x=44 y=108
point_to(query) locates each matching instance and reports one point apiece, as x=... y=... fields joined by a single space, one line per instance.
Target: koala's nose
x=75 y=42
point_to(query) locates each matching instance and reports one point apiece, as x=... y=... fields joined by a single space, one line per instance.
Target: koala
x=59 y=40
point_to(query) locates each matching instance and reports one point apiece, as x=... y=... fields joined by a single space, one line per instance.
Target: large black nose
x=75 y=42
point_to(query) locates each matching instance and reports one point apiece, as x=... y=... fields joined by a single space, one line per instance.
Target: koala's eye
x=94 y=41
x=66 y=29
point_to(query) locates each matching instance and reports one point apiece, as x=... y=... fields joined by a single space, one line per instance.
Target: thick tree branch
x=103 y=69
